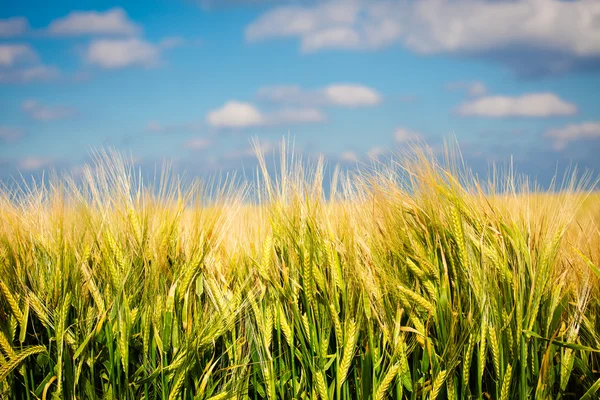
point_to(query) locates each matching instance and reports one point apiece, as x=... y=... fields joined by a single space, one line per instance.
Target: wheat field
x=410 y=279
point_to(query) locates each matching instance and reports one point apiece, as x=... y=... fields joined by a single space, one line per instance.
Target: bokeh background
x=194 y=82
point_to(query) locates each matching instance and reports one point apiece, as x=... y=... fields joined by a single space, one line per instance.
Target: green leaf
x=573 y=346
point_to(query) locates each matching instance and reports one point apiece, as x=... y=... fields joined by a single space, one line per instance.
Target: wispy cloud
x=376 y=152
x=294 y=116
x=197 y=143
x=261 y=146
x=41 y=112
x=563 y=32
x=403 y=135
x=154 y=126
x=344 y=95
x=237 y=115
x=211 y=4
x=171 y=42
x=348 y=157
x=111 y=22
x=573 y=132
x=527 y=105
x=472 y=88
x=14 y=26
x=157 y=127
x=34 y=163
x=10 y=135
x=20 y=63
x=38 y=73
x=11 y=54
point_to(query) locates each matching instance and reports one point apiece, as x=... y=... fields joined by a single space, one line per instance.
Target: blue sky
x=193 y=82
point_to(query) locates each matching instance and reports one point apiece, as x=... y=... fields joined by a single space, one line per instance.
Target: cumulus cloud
x=9 y=135
x=111 y=22
x=562 y=136
x=527 y=105
x=14 y=26
x=564 y=32
x=11 y=54
x=473 y=88
x=40 y=112
x=121 y=53
x=29 y=74
x=324 y=25
x=343 y=95
x=235 y=114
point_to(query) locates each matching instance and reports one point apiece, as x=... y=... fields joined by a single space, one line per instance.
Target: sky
x=194 y=82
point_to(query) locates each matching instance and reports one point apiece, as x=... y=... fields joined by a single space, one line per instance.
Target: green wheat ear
x=411 y=279
x=18 y=358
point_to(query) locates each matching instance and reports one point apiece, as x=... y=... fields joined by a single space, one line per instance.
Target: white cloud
x=29 y=74
x=8 y=134
x=473 y=88
x=480 y=25
x=34 y=163
x=111 y=22
x=121 y=53
x=352 y=95
x=343 y=95
x=331 y=24
x=528 y=105
x=14 y=26
x=568 y=29
x=197 y=143
x=40 y=112
x=343 y=38
x=562 y=136
x=11 y=54
x=12 y=58
x=235 y=114
x=402 y=135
